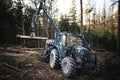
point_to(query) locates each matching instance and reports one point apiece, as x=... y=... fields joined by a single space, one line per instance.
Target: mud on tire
x=54 y=59
x=68 y=67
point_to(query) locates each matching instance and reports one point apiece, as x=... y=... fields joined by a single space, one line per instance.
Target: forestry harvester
x=66 y=52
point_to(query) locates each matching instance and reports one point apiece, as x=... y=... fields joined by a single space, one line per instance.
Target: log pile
x=31 y=37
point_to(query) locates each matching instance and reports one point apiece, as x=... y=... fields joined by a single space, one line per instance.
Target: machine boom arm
x=43 y=7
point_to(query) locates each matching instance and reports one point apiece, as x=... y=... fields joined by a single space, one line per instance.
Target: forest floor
x=17 y=63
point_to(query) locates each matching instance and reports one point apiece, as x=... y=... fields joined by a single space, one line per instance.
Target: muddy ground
x=17 y=63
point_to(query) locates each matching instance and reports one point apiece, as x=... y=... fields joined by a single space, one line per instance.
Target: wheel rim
x=65 y=67
x=68 y=67
x=52 y=58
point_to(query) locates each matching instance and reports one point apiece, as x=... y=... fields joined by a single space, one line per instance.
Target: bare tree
x=118 y=30
x=104 y=17
x=88 y=11
x=73 y=12
x=118 y=37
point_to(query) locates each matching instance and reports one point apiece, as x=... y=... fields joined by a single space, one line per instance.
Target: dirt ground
x=18 y=63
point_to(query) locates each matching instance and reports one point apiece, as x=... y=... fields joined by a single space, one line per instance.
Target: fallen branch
x=10 y=66
x=26 y=72
x=6 y=77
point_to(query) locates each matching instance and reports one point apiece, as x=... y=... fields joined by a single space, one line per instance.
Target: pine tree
x=73 y=12
x=64 y=24
x=7 y=22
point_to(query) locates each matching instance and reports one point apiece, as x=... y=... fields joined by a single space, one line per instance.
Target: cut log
x=31 y=37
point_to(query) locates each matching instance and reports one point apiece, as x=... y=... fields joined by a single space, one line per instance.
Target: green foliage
x=106 y=40
x=5 y=5
x=74 y=28
x=5 y=11
x=7 y=22
x=68 y=26
x=64 y=24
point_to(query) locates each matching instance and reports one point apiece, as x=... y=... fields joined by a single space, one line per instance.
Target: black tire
x=68 y=66
x=97 y=69
x=46 y=56
x=54 y=59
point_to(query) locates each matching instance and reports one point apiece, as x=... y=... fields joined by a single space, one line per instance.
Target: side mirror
x=81 y=36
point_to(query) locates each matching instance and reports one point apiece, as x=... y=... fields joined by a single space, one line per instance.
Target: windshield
x=63 y=37
x=66 y=39
x=73 y=40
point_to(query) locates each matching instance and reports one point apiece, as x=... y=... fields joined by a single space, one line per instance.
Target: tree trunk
x=118 y=37
x=23 y=29
x=81 y=9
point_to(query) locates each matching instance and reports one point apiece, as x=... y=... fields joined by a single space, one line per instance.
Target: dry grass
x=24 y=64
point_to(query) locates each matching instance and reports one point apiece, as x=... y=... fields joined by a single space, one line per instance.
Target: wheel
x=97 y=69
x=54 y=59
x=46 y=55
x=68 y=67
